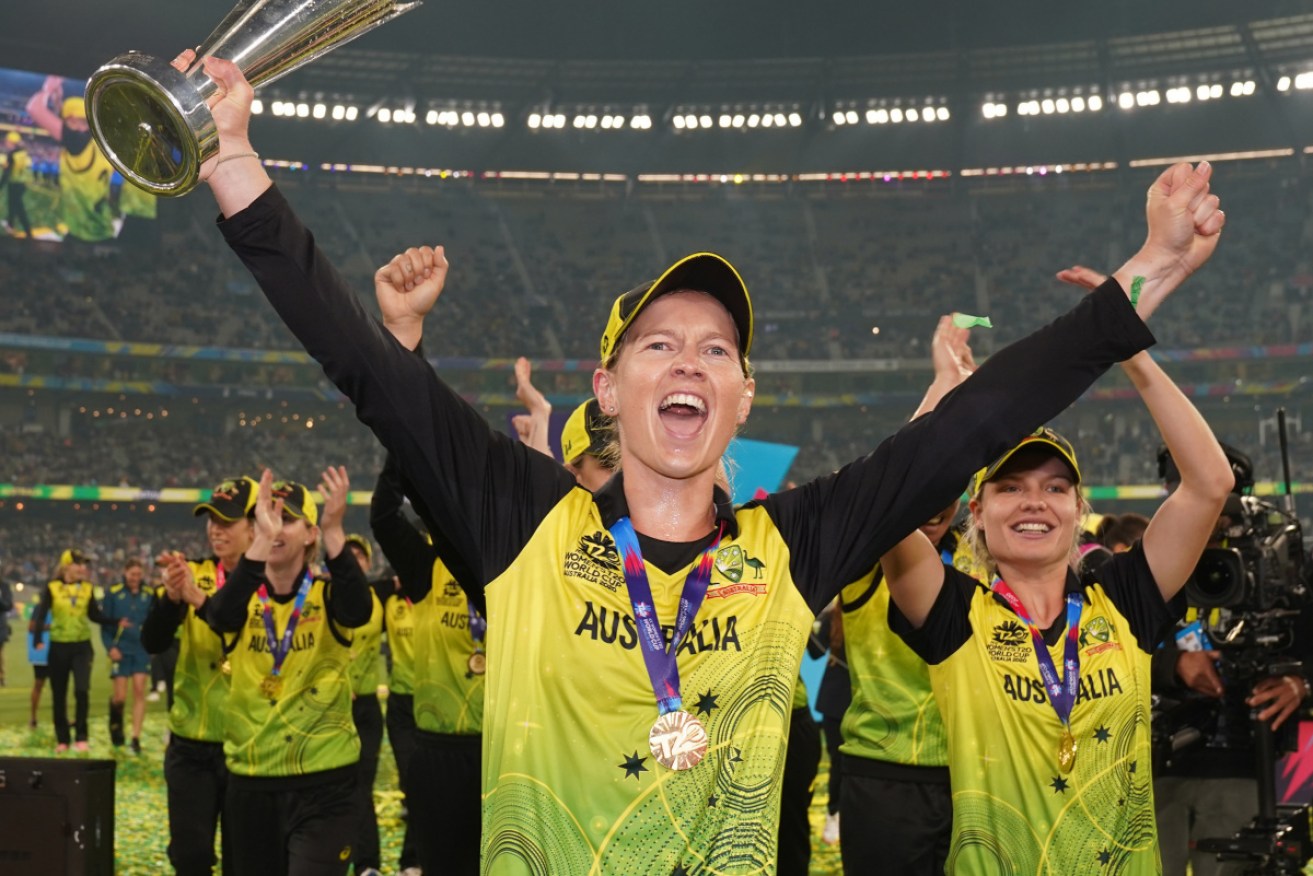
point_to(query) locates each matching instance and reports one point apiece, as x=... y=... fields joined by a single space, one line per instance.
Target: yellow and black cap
x=297 y=501
x=700 y=272
x=361 y=542
x=584 y=432
x=73 y=555
x=1042 y=438
x=231 y=500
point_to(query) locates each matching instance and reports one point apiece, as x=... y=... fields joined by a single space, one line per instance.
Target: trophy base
x=151 y=122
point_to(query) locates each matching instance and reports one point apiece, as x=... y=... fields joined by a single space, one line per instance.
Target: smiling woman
x=1049 y=677
x=638 y=698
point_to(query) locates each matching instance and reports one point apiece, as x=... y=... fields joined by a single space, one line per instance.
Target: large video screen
x=57 y=185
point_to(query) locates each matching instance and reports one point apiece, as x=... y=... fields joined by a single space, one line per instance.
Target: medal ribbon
x=662 y=669
x=478 y=626
x=1061 y=691
x=280 y=649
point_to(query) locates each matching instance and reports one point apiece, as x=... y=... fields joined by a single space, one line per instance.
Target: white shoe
x=830 y=833
x=152 y=697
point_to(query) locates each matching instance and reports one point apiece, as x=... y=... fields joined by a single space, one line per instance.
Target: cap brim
x=703 y=272
x=224 y=513
x=1033 y=443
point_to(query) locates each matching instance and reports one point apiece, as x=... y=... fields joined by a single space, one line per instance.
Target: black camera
x=1249 y=594
x=1262 y=566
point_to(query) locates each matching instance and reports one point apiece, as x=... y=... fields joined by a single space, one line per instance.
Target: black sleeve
x=97 y=614
x=1162 y=668
x=410 y=555
x=161 y=624
x=41 y=611
x=348 y=597
x=947 y=627
x=1130 y=585
x=484 y=493
x=6 y=599
x=226 y=609
x=837 y=527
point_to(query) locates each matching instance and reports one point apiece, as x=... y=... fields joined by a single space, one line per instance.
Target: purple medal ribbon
x=1061 y=691
x=478 y=626
x=281 y=648
x=662 y=668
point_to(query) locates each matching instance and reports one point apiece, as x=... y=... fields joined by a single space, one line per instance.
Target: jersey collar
x=611 y=505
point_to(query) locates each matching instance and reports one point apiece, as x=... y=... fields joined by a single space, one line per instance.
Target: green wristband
x=1137 y=283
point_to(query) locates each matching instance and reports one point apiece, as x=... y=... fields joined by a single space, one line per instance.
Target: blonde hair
x=975 y=534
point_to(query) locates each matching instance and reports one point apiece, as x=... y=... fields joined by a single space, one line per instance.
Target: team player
x=442 y=782
x=897 y=810
x=126 y=607
x=289 y=741
x=194 y=769
x=38 y=654
x=15 y=179
x=70 y=602
x=84 y=171
x=1042 y=680
x=595 y=762
x=584 y=446
x=366 y=713
x=399 y=625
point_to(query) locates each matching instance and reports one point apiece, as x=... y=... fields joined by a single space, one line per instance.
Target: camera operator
x=1208 y=788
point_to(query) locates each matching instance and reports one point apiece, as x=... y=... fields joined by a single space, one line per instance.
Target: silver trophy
x=151 y=120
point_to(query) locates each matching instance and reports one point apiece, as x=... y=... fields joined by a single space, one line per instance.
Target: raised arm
x=1182 y=525
x=406 y=550
x=1180 y=528
x=484 y=491
x=348 y=596
x=38 y=107
x=838 y=526
x=950 y=354
x=531 y=427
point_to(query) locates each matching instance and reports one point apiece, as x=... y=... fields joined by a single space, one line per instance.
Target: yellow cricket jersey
x=800 y=694
x=570 y=777
x=400 y=626
x=200 y=687
x=893 y=716
x=570 y=785
x=68 y=605
x=1014 y=810
x=20 y=167
x=134 y=201
x=449 y=697
x=367 y=652
x=84 y=180
x=307 y=727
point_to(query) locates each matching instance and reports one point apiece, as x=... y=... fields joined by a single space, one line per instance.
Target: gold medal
x=1066 y=752
x=226 y=668
x=478 y=663
x=271 y=686
x=678 y=740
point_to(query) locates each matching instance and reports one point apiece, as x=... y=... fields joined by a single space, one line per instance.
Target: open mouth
x=683 y=413
x=1032 y=528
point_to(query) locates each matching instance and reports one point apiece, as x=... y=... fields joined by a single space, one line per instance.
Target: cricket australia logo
x=733 y=562
x=596 y=560
x=1098 y=636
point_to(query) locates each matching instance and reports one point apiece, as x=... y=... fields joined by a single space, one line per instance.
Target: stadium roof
x=704 y=58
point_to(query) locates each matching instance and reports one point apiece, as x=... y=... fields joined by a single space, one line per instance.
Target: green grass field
x=140 y=830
